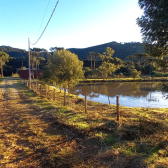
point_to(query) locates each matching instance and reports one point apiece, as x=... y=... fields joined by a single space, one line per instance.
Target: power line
x=47 y=24
x=44 y=15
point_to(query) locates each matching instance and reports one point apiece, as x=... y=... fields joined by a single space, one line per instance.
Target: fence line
x=45 y=91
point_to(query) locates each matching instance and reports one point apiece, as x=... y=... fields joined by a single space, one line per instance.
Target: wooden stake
x=85 y=102
x=46 y=91
x=36 y=86
x=40 y=88
x=64 y=95
x=118 y=111
x=54 y=94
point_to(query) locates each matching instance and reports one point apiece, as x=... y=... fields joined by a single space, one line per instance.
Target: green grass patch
x=141 y=132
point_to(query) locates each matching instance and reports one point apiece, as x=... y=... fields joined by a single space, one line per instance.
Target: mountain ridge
x=122 y=50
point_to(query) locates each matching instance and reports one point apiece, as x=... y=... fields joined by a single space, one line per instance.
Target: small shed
x=35 y=74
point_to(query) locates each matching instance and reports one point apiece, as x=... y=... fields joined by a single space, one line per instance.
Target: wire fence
x=64 y=98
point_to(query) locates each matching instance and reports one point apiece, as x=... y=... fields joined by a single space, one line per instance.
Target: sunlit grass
x=40 y=132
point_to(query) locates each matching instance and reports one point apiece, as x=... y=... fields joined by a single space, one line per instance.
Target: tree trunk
x=140 y=64
x=33 y=68
x=144 y=67
x=91 y=62
x=1 y=69
x=69 y=87
x=39 y=61
x=64 y=96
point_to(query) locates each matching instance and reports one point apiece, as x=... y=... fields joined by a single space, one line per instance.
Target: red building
x=24 y=74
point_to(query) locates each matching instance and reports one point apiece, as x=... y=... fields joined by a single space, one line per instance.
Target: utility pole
x=22 y=60
x=29 y=63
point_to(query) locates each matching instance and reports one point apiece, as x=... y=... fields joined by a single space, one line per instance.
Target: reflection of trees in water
x=152 y=99
x=135 y=89
x=163 y=87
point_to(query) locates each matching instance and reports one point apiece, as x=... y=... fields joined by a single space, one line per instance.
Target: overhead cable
x=44 y=15
x=47 y=24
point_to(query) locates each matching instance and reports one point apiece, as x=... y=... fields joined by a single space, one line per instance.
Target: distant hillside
x=13 y=52
x=121 y=50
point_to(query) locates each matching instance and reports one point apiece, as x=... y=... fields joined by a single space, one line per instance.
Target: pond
x=131 y=94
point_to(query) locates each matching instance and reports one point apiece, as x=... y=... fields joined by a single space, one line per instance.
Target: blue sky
x=75 y=23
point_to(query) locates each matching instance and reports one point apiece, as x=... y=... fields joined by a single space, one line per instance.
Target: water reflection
x=132 y=94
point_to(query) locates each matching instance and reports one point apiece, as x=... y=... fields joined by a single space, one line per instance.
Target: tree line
x=96 y=66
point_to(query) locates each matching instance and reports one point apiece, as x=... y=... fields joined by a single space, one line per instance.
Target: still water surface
x=131 y=94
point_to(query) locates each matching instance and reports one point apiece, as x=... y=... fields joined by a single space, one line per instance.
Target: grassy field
x=37 y=131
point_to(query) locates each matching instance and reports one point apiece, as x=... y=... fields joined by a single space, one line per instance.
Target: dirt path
x=23 y=141
x=30 y=137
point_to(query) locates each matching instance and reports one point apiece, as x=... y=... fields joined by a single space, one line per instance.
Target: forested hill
x=121 y=50
x=13 y=52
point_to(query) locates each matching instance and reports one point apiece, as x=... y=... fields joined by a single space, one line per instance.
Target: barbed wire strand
x=44 y=15
x=46 y=24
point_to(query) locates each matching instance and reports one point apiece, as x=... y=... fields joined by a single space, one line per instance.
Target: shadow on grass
x=99 y=145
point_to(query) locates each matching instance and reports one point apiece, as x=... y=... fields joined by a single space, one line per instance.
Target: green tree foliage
x=107 y=68
x=154 y=23
x=4 y=57
x=163 y=64
x=23 y=68
x=53 y=49
x=37 y=56
x=134 y=73
x=131 y=57
x=63 y=68
x=140 y=56
x=92 y=56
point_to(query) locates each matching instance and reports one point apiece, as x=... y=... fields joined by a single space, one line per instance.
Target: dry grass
x=37 y=132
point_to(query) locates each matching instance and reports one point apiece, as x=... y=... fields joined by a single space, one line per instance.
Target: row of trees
x=65 y=69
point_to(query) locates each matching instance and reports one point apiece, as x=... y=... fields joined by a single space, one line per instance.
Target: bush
x=159 y=74
x=126 y=74
x=135 y=74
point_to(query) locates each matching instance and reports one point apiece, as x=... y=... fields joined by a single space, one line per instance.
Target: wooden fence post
x=27 y=83
x=85 y=102
x=30 y=85
x=36 y=86
x=46 y=91
x=54 y=94
x=64 y=95
x=40 y=88
x=118 y=111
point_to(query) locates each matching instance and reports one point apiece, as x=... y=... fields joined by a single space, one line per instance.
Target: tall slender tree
x=4 y=57
x=107 y=68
